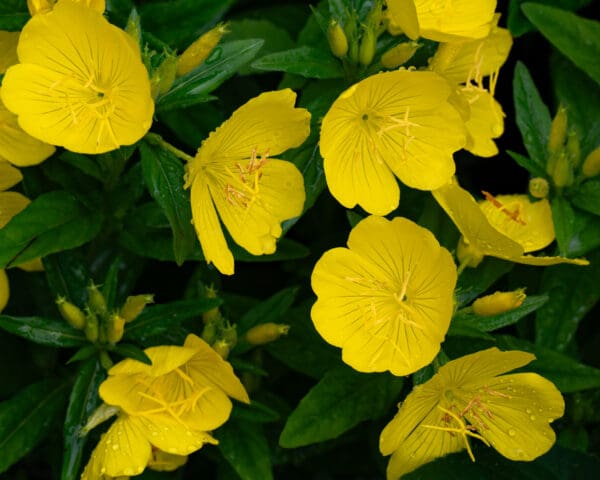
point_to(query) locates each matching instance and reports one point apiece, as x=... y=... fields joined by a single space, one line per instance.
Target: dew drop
x=512 y=433
x=528 y=410
x=532 y=417
x=102 y=471
x=128 y=471
x=154 y=433
x=115 y=447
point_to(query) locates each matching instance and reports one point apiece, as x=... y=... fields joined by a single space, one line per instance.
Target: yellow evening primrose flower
x=394 y=123
x=169 y=405
x=81 y=83
x=44 y=6
x=504 y=230
x=469 y=397
x=387 y=299
x=235 y=173
x=442 y=21
x=466 y=64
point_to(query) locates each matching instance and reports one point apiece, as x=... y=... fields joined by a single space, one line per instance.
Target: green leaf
x=83 y=401
x=45 y=331
x=533 y=168
x=577 y=38
x=577 y=232
x=587 y=196
x=532 y=116
x=573 y=291
x=128 y=350
x=13 y=15
x=287 y=249
x=67 y=276
x=342 y=399
x=27 y=417
x=518 y=23
x=245 y=447
x=567 y=374
x=474 y=281
x=270 y=310
x=305 y=61
x=470 y=320
x=255 y=412
x=194 y=87
x=111 y=283
x=156 y=319
x=163 y=174
x=52 y=222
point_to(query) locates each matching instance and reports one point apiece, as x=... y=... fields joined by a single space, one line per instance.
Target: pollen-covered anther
x=235 y=197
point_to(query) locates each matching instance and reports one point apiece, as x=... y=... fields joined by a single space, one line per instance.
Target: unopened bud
x=467 y=254
x=40 y=6
x=115 y=327
x=71 y=313
x=563 y=171
x=591 y=164
x=92 y=327
x=199 y=51
x=133 y=28
x=96 y=300
x=222 y=348
x=209 y=332
x=499 y=302
x=558 y=131
x=573 y=149
x=164 y=76
x=265 y=333
x=134 y=305
x=338 y=43
x=399 y=55
x=98 y=416
x=229 y=334
x=353 y=51
x=212 y=315
x=539 y=187
x=368 y=45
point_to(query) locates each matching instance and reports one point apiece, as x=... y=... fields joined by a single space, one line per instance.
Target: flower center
x=245 y=187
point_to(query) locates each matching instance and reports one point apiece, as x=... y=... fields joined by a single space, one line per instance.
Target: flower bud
x=199 y=51
x=499 y=302
x=573 y=149
x=134 y=305
x=539 y=187
x=71 y=313
x=98 y=416
x=368 y=45
x=209 y=332
x=338 y=43
x=40 y=6
x=222 y=348
x=164 y=76
x=212 y=315
x=591 y=164
x=92 y=327
x=229 y=334
x=96 y=300
x=265 y=333
x=399 y=55
x=563 y=171
x=467 y=254
x=115 y=327
x=558 y=131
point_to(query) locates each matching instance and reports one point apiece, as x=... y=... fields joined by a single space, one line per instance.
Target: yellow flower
x=469 y=397
x=442 y=21
x=44 y=6
x=466 y=64
x=394 y=123
x=234 y=172
x=81 y=83
x=387 y=299
x=169 y=405
x=506 y=231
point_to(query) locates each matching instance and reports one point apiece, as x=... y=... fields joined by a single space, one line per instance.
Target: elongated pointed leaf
x=306 y=61
x=45 y=331
x=26 y=418
x=67 y=276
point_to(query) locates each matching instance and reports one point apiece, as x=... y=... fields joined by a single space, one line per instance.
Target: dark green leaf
x=532 y=116
x=156 y=319
x=163 y=173
x=306 y=61
x=255 y=412
x=286 y=250
x=111 y=283
x=67 y=276
x=52 y=222
x=45 y=331
x=587 y=196
x=577 y=38
x=195 y=86
x=577 y=232
x=27 y=417
x=83 y=401
x=83 y=163
x=341 y=400
x=474 y=281
x=518 y=23
x=533 y=168
x=573 y=291
x=83 y=353
x=567 y=374
x=128 y=350
x=13 y=14
x=270 y=310
x=245 y=447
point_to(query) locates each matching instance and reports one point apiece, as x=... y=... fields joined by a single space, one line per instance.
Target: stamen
x=504 y=209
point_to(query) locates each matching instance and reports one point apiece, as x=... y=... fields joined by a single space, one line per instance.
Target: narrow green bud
x=563 y=171
x=212 y=315
x=558 y=131
x=338 y=43
x=265 y=333
x=133 y=28
x=539 y=187
x=115 y=327
x=591 y=164
x=134 y=305
x=98 y=416
x=368 y=45
x=71 y=313
x=164 y=76
x=573 y=149
x=198 y=52
x=92 y=327
x=399 y=55
x=229 y=334
x=96 y=300
x=222 y=348
x=209 y=332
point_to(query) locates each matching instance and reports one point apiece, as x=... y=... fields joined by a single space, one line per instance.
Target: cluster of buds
x=101 y=325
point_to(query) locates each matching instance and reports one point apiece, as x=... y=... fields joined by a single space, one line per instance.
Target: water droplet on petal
x=115 y=447
x=528 y=410
x=532 y=417
x=512 y=433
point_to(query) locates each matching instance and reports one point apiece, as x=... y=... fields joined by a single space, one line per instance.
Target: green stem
x=158 y=140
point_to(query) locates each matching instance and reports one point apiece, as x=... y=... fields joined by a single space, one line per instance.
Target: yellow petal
x=486 y=122
x=122 y=450
x=8 y=49
x=268 y=123
x=403 y=15
x=166 y=462
x=521 y=407
x=9 y=175
x=164 y=359
x=207 y=364
x=208 y=228
x=4 y=290
x=528 y=223
x=18 y=147
x=11 y=203
x=387 y=301
x=547 y=261
x=80 y=84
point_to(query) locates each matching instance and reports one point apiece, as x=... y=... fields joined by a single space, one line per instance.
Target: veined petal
x=403 y=16
x=268 y=123
x=122 y=450
x=4 y=289
x=208 y=228
x=166 y=462
x=80 y=84
x=164 y=359
x=11 y=203
x=18 y=147
x=546 y=261
x=8 y=49
x=9 y=175
x=486 y=122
